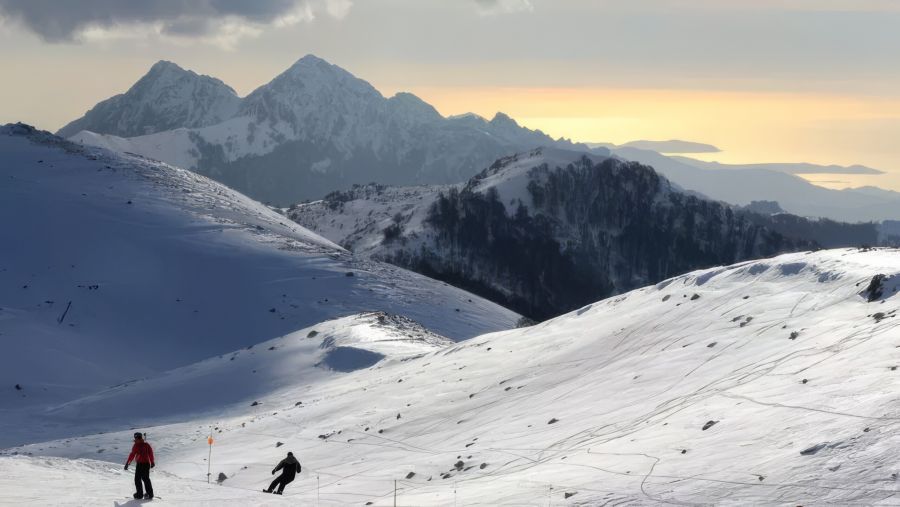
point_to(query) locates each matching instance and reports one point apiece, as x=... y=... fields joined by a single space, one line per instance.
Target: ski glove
x=126 y=467
x=152 y=465
x=273 y=472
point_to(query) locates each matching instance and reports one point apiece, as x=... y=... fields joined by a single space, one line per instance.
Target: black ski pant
x=281 y=481
x=142 y=479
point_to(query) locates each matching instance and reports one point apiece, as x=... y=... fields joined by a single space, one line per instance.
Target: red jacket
x=141 y=453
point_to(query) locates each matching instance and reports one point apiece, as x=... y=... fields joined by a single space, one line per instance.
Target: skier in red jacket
x=142 y=454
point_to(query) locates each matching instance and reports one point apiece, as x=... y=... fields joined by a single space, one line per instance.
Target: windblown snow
x=766 y=382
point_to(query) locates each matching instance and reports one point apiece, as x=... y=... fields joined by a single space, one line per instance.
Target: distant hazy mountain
x=671 y=146
x=314 y=129
x=741 y=186
x=789 y=168
x=167 y=97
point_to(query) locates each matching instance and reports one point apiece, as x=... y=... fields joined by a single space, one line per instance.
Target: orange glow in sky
x=749 y=127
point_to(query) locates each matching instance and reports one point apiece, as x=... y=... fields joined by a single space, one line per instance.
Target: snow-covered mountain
x=549 y=230
x=763 y=383
x=167 y=97
x=740 y=185
x=114 y=268
x=316 y=128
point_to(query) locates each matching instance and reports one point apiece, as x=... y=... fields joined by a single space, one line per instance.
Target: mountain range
x=139 y=296
x=316 y=128
x=313 y=129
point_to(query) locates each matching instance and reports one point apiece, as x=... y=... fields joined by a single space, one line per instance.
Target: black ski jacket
x=290 y=465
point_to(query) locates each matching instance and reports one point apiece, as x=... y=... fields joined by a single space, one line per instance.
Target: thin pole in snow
x=454 y=494
x=317 y=491
x=550 y=496
x=209 y=440
x=395 y=492
x=63 y=316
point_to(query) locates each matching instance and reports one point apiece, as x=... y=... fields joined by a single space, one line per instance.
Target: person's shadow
x=131 y=502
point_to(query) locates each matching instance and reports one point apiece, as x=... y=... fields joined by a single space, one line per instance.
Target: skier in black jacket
x=289 y=468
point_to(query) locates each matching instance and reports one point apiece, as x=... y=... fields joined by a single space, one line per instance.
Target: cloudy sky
x=765 y=80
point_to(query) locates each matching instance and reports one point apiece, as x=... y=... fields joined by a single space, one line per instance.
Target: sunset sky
x=765 y=80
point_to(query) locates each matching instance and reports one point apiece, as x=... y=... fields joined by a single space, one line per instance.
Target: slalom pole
x=395 y=492
x=209 y=441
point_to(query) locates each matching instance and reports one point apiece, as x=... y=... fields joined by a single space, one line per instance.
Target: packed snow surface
x=55 y=481
x=766 y=382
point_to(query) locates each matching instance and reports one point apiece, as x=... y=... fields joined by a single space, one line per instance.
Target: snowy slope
x=766 y=382
x=238 y=379
x=116 y=268
x=511 y=176
x=53 y=481
x=357 y=218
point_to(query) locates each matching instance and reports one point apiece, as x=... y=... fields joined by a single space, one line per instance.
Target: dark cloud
x=64 y=20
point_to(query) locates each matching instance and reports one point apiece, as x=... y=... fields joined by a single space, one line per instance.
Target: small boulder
x=809 y=451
